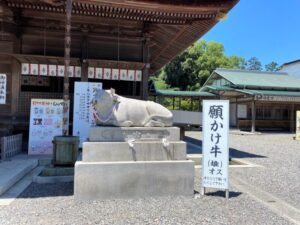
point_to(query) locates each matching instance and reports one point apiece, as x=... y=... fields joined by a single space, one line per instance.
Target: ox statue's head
x=104 y=100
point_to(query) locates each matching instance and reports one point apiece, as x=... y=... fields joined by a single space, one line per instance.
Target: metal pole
x=253 y=114
x=67 y=64
x=227 y=194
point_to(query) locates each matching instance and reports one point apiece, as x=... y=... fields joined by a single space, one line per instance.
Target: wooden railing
x=11 y=146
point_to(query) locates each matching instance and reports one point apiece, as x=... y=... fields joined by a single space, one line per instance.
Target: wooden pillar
x=84 y=57
x=146 y=60
x=84 y=71
x=67 y=64
x=15 y=86
x=134 y=89
x=144 y=84
x=292 y=118
x=253 y=114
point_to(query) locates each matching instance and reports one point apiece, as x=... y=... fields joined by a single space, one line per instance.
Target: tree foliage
x=254 y=64
x=190 y=69
x=272 y=67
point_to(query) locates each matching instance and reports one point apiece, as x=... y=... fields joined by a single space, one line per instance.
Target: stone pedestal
x=141 y=151
x=136 y=162
x=112 y=134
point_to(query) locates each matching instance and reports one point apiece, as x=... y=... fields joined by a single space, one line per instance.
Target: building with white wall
x=292 y=68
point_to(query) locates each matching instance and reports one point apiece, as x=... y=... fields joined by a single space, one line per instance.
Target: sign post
x=215 y=149
x=298 y=125
x=82 y=115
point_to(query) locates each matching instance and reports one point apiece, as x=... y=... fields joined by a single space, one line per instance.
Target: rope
x=97 y=116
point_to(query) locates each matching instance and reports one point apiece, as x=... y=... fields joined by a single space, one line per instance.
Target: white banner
x=215 y=144
x=46 y=118
x=75 y=71
x=82 y=118
x=3 y=88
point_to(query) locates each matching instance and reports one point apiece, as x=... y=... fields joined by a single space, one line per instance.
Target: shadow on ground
x=232 y=194
x=48 y=190
x=234 y=153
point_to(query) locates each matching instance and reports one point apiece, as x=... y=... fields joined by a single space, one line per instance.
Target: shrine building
x=258 y=100
x=119 y=43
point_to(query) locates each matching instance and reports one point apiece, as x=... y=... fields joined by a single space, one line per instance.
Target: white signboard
x=215 y=144
x=46 y=119
x=83 y=118
x=242 y=111
x=2 y=88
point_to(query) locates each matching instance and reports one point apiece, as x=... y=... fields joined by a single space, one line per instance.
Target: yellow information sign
x=298 y=126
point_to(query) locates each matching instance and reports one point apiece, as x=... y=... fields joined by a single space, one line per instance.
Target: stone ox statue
x=112 y=109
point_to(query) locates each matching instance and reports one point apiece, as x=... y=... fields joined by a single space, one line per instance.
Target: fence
x=11 y=146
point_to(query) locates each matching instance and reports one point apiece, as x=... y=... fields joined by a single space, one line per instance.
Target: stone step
x=139 y=151
x=10 y=195
x=13 y=171
x=197 y=158
x=112 y=180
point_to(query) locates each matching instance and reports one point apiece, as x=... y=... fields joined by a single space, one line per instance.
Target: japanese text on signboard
x=215 y=144
x=82 y=119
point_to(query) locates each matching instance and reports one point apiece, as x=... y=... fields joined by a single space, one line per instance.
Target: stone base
x=57 y=171
x=141 y=151
x=111 y=180
x=118 y=134
x=52 y=179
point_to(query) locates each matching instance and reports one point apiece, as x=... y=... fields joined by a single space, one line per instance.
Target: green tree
x=254 y=64
x=180 y=71
x=190 y=70
x=272 y=67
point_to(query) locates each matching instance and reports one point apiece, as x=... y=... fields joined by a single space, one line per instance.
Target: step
x=197 y=158
x=10 y=195
x=113 y=180
x=13 y=171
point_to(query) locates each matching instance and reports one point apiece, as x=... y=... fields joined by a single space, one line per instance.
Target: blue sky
x=267 y=29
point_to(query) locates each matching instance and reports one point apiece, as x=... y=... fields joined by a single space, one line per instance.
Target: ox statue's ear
x=112 y=91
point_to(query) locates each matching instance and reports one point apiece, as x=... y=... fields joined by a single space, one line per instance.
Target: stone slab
x=108 y=134
x=52 y=179
x=11 y=194
x=114 y=180
x=13 y=171
x=197 y=158
x=141 y=151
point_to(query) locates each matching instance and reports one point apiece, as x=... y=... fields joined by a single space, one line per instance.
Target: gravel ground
x=279 y=155
x=55 y=204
